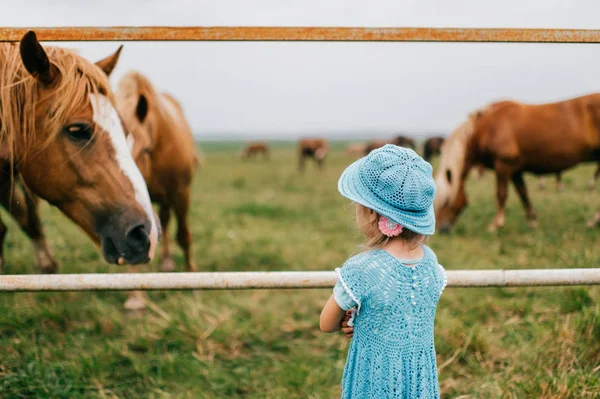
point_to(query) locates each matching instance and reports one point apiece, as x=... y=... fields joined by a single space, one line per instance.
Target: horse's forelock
x=19 y=99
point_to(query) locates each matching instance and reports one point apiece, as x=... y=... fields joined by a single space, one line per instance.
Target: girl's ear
x=373 y=217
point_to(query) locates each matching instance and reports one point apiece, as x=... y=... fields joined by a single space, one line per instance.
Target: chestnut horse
x=404 y=141
x=61 y=139
x=355 y=150
x=373 y=145
x=512 y=138
x=253 y=149
x=432 y=146
x=312 y=148
x=163 y=147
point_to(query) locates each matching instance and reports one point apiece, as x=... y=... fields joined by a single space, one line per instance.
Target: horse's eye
x=449 y=175
x=79 y=132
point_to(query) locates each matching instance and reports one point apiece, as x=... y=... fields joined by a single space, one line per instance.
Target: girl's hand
x=346 y=329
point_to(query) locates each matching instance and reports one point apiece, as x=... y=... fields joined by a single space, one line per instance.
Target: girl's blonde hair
x=379 y=240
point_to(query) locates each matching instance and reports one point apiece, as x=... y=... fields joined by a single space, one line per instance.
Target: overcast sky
x=287 y=89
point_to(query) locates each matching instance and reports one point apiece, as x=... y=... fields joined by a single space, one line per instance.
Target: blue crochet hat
x=396 y=183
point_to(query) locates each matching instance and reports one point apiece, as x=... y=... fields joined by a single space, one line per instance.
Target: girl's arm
x=331 y=316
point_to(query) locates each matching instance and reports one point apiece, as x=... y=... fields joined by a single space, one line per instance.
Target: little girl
x=393 y=288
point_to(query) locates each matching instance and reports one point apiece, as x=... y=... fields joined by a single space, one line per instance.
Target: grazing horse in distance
x=62 y=140
x=432 y=146
x=253 y=149
x=373 y=145
x=513 y=138
x=355 y=150
x=163 y=147
x=312 y=148
x=403 y=141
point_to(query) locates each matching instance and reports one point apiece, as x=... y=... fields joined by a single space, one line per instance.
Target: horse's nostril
x=137 y=236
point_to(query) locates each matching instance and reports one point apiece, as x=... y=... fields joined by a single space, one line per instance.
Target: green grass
x=491 y=343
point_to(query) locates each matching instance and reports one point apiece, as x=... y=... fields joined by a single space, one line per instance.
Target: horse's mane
x=130 y=87
x=453 y=157
x=132 y=84
x=19 y=94
x=455 y=145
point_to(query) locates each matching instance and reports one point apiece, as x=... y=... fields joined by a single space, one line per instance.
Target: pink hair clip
x=389 y=227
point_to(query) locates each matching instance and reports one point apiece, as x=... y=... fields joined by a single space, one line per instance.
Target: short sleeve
x=351 y=277
x=444 y=278
x=342 y=298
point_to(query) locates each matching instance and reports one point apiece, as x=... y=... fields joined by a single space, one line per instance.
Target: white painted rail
x=277 y=280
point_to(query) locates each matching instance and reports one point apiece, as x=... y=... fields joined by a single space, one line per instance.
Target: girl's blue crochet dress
x=392 y=354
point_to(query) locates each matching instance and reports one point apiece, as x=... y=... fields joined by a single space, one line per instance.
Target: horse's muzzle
x=126 y=243
x=445 y=228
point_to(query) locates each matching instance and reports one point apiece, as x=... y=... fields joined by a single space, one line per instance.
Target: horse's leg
x=541 y=183
x=559 y=184
x=301 y=162
x=519 y=183
x=166 y=264
x=184 y=237
x=595 y=178
x=595 y=221
x=502 y=178
x=23 y=207
x=135 y=300
x=3 y=230
x=479 y=171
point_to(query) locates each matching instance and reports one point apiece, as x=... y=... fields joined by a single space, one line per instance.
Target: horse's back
x=180 y=132
x=178 y=155
x=312 y=144
x=541 y=137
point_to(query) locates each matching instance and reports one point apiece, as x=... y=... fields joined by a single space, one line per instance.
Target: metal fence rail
x=249 y=280
x=253 y=280
x=319 y=34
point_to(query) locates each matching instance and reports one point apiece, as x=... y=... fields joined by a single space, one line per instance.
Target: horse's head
x=72 y=151
x=136 y=102
x=450 y=198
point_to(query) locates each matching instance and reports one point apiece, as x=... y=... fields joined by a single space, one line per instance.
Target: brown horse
x=61 y=139
x=163 y=147
x=355 y=150
x=404 y=141
x=513 y=138
x=432 y=146
x=373 y=145
x=312 y=148
x=253 y=149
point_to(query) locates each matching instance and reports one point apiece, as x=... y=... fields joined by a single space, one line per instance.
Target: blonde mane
x=20 y=96
x=452 y=158
x=130 y=87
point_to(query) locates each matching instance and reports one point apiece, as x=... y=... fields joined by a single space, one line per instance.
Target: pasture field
x=491 y=343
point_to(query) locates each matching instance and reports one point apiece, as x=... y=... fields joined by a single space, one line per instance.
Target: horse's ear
x=108 y=64
x=36 y=60
x=141 y=110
